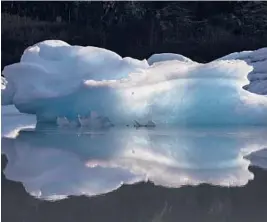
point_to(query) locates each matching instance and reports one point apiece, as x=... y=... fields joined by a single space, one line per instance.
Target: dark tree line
x=200 y=30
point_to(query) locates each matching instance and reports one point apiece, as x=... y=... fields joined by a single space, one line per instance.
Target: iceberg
x=57 y=81
x=55 y=163
x=60 y=102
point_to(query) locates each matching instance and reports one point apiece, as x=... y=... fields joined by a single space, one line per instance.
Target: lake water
x=128 y=174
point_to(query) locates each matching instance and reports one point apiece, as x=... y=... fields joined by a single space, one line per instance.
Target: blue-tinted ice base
x=54 y=163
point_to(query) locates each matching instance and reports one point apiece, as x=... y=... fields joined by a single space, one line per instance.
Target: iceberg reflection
x=56 y=163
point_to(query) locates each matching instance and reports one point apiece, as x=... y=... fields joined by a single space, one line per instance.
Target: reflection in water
x=55 y=163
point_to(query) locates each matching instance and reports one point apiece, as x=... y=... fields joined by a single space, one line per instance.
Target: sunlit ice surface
x=54 y=162
x=55 y=80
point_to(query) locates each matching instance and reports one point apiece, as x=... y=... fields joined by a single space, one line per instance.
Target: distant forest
x=202 y=31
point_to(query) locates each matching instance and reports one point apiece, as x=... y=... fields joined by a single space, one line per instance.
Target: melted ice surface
x=53 y=163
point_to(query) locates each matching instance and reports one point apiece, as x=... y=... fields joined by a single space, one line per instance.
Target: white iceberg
x=55 y=80
x=87 y=86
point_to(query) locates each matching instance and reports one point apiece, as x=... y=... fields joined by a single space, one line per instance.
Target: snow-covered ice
x=53 y=164
x=56 y=80
x=52 y=68
x=258 y=76
x=161 y=57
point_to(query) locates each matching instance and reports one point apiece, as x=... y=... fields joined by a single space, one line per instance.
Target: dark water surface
x=143 y=202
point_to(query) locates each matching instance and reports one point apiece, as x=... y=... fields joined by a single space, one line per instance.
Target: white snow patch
x=258 y=76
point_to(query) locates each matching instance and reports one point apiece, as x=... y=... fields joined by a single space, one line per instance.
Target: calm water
x=199 y=174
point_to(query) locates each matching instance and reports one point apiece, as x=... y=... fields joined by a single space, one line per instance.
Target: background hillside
x=202 y=31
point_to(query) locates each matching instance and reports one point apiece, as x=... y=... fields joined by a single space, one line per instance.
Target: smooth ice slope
x=162 y=57
x=55 y=79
